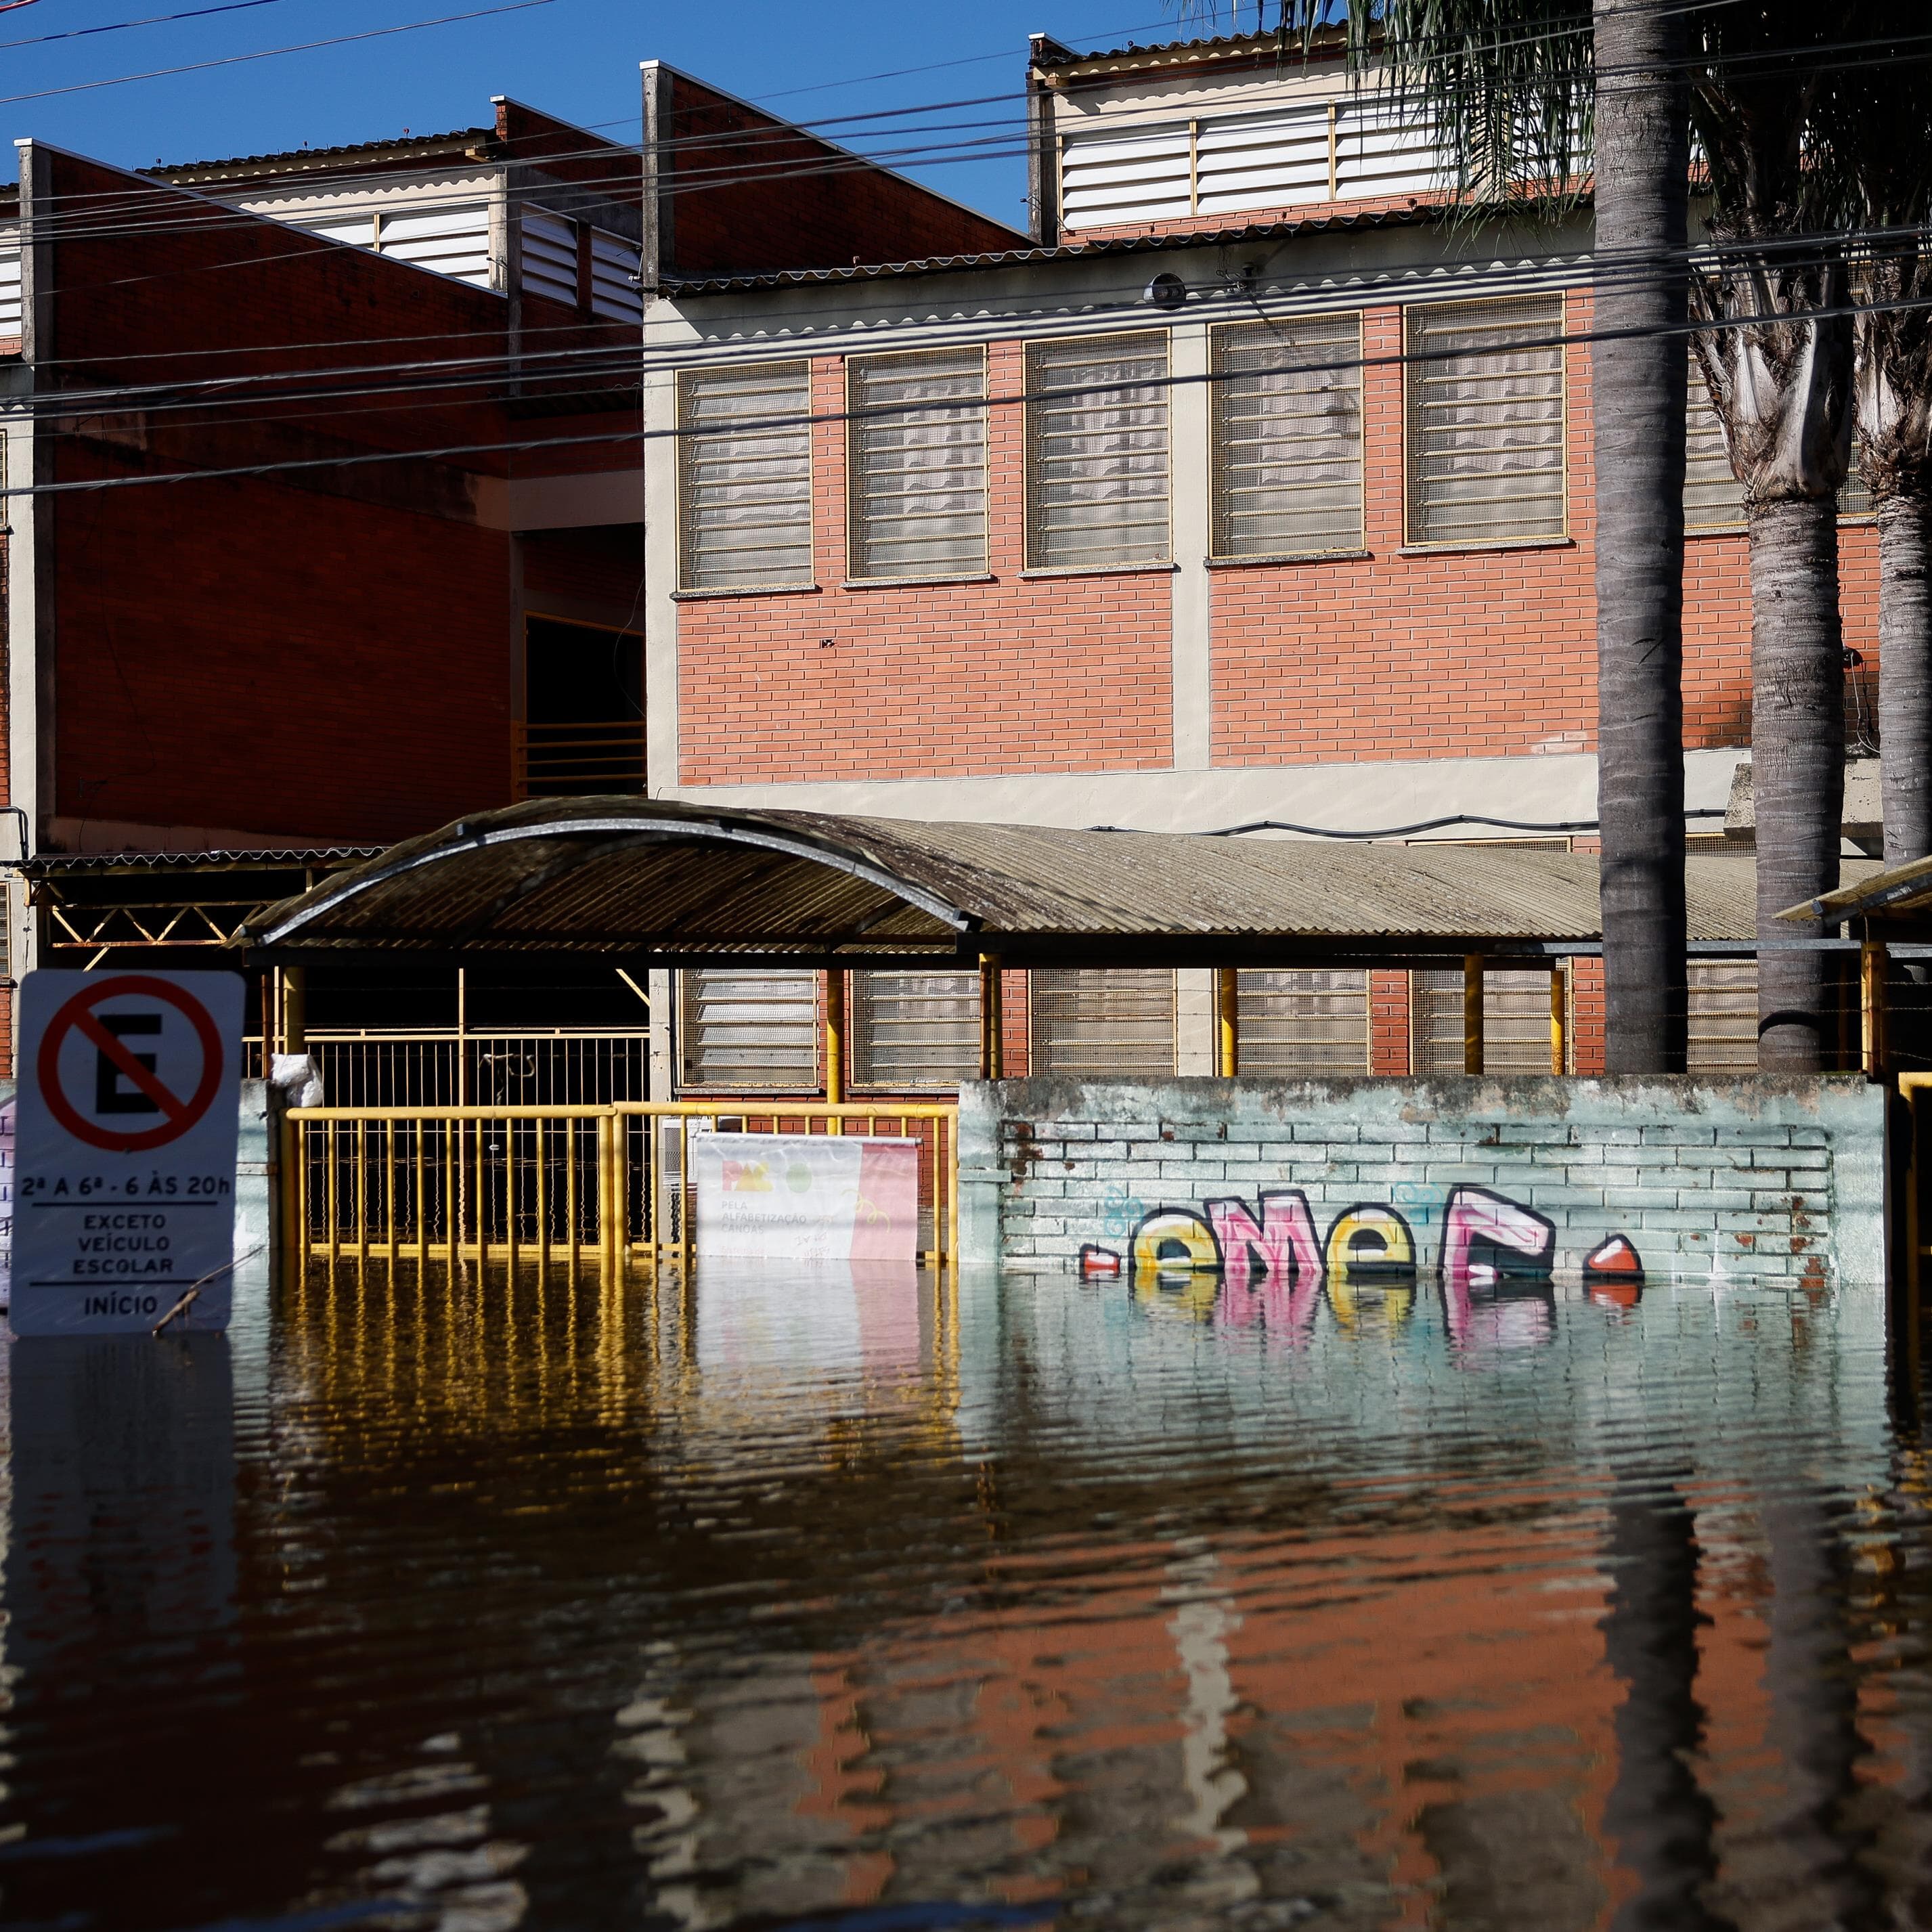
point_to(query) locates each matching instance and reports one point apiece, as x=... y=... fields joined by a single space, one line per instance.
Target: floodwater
x=863 y=1604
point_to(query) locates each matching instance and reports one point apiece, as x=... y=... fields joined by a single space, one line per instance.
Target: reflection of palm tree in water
x=1659 y=1818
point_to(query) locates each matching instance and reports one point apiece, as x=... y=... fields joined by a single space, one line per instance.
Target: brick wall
x=1398 y=653
x=1018 y=674
x=1273 y=1183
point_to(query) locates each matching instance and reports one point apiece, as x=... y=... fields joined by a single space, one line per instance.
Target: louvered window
x=615 y=261
x=1288 y=437
x=914 y=1031
x=918 y=471
x=1723 y=1016
x=1304 y=1021
x=1096 y=453
x=749 y=1031
x=1515 y=1022
x=1485 y=422
x=745 y=477
x=1115 y=1022
x=550 y=257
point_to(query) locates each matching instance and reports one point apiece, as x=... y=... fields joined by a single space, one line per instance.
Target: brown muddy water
x=866 y=1604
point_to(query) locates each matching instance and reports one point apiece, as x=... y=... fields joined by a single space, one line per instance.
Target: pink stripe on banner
x=885 y=1223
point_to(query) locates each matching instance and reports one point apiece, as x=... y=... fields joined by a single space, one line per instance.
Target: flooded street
x=866 y=1604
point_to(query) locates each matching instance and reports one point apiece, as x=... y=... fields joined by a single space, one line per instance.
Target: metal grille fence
x=562 y=1067
x=573 y=1186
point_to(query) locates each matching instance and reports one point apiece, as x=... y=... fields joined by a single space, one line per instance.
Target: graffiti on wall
x=1269 y=1266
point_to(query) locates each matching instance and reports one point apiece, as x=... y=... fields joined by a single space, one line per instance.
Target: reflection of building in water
x=1027 y=1596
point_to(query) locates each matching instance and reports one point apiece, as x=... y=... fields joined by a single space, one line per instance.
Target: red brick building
x=337 y=524
x=1254 y=489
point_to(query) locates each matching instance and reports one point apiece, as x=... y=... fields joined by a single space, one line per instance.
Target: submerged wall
x=1614 y=1180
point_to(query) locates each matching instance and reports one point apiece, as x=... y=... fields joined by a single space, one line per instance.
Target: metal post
x=835 y=1045
x=1472 y=1012
x=1227 y=1022
x=295 y=1010
x=1873 y=963
x=462 y=1037
x=992 y=1018
x=1559 y=1020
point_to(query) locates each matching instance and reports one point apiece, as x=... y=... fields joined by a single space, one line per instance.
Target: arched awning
x=672 y=883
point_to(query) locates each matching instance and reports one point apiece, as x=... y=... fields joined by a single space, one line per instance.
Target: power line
x=1563 y=340
x=272 y=53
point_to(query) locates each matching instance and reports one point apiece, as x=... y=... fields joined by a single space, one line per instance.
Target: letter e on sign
x=125 y=1150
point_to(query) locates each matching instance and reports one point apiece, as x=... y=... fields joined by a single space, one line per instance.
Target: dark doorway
x=583 y=727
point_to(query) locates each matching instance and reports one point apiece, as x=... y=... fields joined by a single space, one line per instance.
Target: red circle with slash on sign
x=79 y=1016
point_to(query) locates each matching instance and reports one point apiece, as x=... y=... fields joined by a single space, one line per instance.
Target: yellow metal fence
x=572 y=1186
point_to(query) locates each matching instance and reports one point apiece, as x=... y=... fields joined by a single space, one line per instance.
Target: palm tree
x=1777 y=362
x=1512 y=84
x=1873 y=141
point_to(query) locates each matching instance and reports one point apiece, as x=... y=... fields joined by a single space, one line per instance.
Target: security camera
x=1167 y=292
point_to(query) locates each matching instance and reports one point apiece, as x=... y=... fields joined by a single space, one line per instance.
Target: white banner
x=125 y=1147
x=806 y=1197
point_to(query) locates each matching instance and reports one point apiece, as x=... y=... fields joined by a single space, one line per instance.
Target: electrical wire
x=626 y=361
x=272 y=53
x=766 y=425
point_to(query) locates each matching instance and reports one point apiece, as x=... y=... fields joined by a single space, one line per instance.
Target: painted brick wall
x=1775 y=1179
x=221 y=673
x=1018 y=674
x=771 y=202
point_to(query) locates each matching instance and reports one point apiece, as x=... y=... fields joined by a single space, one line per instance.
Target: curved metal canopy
x=678 y=882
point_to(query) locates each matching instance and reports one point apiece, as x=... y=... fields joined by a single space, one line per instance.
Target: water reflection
x=857 y=1600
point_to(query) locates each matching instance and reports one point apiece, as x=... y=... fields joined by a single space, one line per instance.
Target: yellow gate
x=577 y=1186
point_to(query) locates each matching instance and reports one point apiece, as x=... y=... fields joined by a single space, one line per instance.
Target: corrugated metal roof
x=1889 y=892
x=681 y=880
x=409 y=147
x=1200 y=51
x=58 y=865
x=1119 y=244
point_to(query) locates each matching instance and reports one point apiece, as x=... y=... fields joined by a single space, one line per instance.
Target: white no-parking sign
x=124 y=1149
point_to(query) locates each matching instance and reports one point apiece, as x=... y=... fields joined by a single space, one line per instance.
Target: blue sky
x=577 y=58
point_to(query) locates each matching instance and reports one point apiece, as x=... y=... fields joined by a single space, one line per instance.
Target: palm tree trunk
x=1905 y=673
x=1797 y=764
x=1637 y=367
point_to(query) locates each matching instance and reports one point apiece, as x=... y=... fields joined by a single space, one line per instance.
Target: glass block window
x=1114 y=1022
x=1723 y=1016
x=1288 y=436
x=744 y=484
x=748 y=1031
x=1515 y=1022
x=914 y=1031
x=918 y=475
x=1486 y=422
x=1096 y=459
x=1312 y=1021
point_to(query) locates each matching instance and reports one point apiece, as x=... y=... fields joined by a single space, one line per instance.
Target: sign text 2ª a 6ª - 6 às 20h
x=124 y=1149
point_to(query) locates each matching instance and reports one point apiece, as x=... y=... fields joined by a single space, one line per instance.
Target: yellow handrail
x=399 y=1173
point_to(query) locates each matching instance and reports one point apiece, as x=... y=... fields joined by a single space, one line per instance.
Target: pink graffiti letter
x=1283 y=1239
x=1474 y=1214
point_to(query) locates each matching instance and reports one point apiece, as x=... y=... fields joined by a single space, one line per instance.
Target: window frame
x=1036 y=1052
x=1410 y=313
x=811 y=1085
x=681 y=501
x=853 y=575
x=1218 y=333
x=1031 y=565
x=860 y=1046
